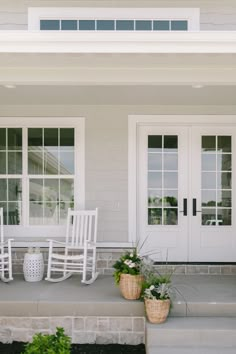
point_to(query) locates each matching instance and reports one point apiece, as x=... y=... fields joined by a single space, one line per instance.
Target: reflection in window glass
x=162 y=180
x=217 y=184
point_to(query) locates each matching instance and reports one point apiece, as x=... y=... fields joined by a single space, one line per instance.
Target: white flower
x=132 y=265
x=152 y=287
x=131 y=255
x=127 y=262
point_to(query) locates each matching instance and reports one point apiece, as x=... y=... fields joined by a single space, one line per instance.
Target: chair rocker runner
x=78 y=252
x=5 y=254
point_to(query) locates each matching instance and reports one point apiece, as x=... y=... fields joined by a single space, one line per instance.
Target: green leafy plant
x=58 y=343
x=128 y=263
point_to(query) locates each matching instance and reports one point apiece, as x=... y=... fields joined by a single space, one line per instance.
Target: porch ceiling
x=119 y=79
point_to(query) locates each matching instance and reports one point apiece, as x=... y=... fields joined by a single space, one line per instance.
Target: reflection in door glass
x=216 y=184
x=162 y=180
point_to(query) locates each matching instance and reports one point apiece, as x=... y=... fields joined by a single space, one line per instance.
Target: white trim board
x=192 y=15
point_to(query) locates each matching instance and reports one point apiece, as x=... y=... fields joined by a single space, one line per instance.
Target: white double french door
x=186 y=193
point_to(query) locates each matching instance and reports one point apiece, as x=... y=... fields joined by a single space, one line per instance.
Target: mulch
x=18 y=348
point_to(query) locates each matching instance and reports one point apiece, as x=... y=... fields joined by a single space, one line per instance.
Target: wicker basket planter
x=131 y=286
x=157 y=310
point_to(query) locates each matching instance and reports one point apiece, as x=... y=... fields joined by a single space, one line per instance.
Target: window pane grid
x=48 y=200
x=216 y=180
x=162 y=180
x=113 y=25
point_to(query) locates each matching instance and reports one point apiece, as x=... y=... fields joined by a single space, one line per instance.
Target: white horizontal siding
x=106 y=151
x=215 y=15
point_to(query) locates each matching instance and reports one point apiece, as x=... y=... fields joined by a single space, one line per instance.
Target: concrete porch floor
x=197 y=295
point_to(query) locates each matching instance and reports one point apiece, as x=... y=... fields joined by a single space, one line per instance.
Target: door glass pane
x=209 y=216
x=155 y=216
x=155 y=143
x=155 y=161
x=162 y=181
x=224 y=216
x=170 y=180
x=216 y=185
x=170 y=143
x=208 y=143
x=170 y=162
x=224 y=180
x=170 y=216
x=154 y=198
x=170 y=198
x=209 y=180
x=224 y=198
x=209 y=162
x=208 y=198
x=224 y=162
x=224 y=143
x=154 y=179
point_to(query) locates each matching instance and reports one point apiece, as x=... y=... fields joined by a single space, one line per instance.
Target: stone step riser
x=190 y=350
x=194 y=337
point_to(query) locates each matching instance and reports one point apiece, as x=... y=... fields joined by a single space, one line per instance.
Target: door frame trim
x=134 y=121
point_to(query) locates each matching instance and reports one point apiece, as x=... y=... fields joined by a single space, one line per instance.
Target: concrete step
x=190 y=350
x=192 y=332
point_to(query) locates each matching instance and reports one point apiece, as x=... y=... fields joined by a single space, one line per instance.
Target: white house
x=128 y=106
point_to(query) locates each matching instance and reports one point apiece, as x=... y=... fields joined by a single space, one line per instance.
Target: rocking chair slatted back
x=81 y=227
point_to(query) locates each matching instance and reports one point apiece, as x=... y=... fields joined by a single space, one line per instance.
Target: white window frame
x=38 y=233
x=35 y=14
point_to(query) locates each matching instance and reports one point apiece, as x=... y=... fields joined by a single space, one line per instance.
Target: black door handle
x=185 y=205
x=195 y=211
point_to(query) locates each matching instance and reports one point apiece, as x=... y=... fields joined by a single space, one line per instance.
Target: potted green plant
x=128 y=275
x=156 y=293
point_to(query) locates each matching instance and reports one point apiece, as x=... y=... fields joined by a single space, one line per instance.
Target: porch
x=98 y=313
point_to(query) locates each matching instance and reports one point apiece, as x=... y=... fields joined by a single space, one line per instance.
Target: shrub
x=58 y=343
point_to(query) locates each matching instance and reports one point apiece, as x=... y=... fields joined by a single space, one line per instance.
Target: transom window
x=41 y=174
x=113 y=25
x=113 y=19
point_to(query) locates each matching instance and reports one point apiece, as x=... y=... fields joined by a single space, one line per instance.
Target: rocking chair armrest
x=58 y=242
x=91 y=243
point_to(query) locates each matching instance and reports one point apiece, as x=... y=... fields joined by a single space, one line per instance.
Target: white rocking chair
x=78 y=251
x=5 y=254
